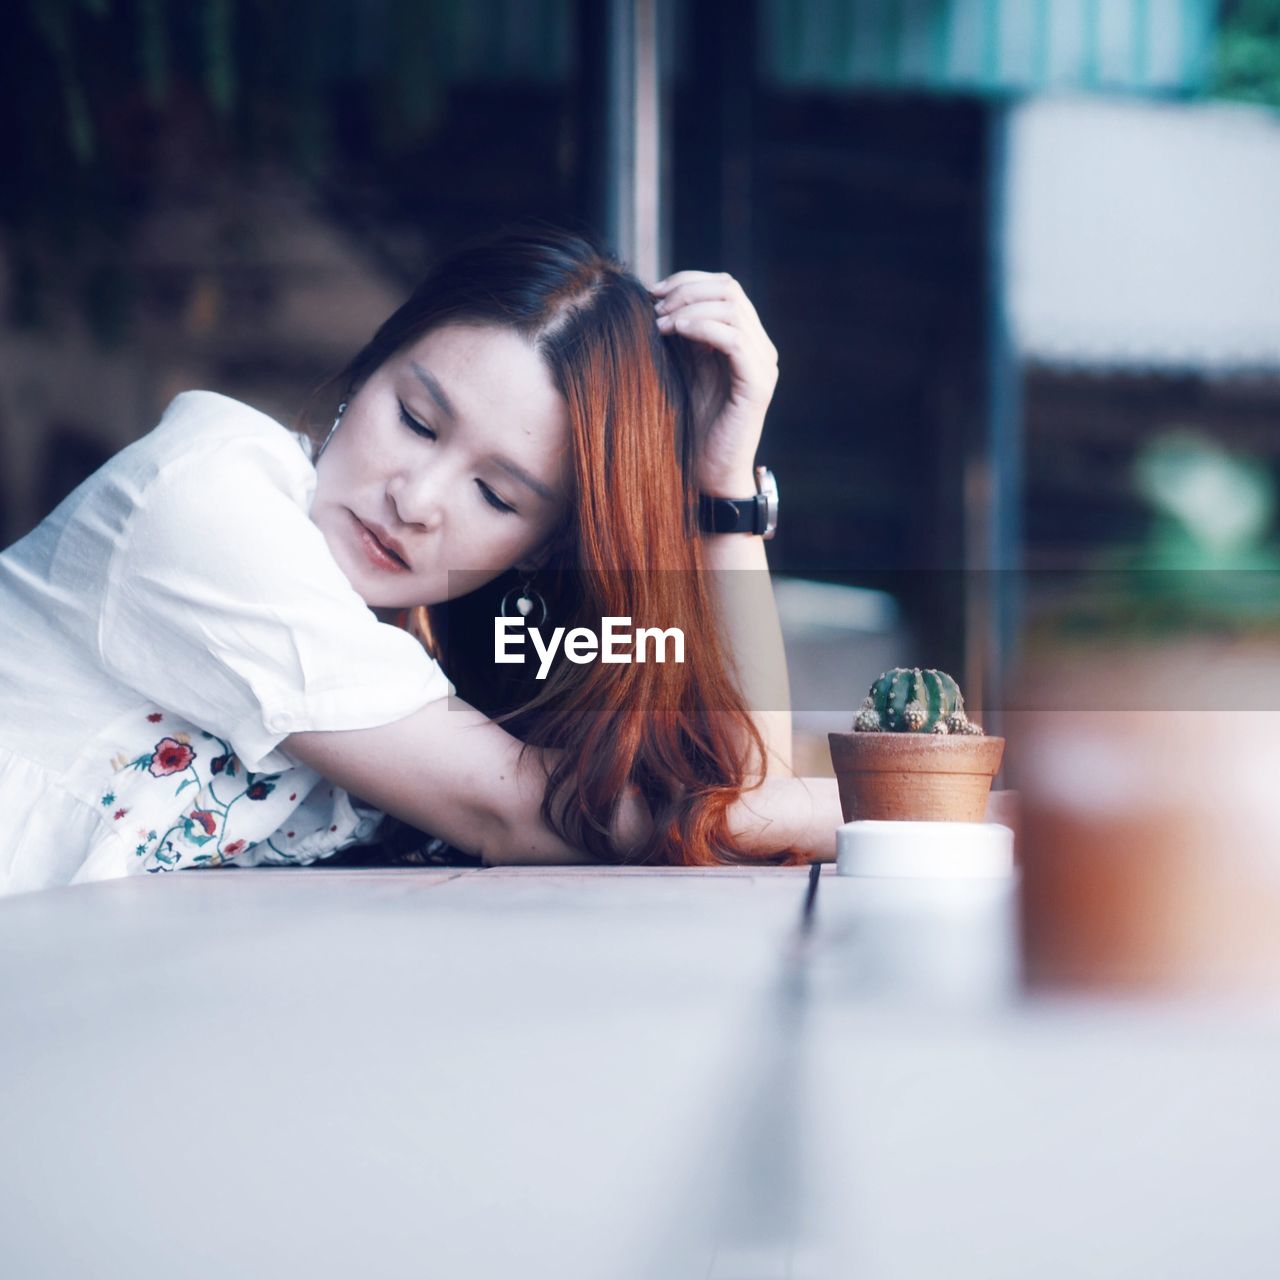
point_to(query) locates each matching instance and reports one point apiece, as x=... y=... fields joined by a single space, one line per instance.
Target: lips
x=381 y=544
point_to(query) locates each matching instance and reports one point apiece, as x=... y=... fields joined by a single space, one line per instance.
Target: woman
x=203 y=663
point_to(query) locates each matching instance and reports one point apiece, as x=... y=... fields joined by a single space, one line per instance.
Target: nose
x=418 y=496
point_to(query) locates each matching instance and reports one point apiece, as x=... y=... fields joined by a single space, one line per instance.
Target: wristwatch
x=757 y=514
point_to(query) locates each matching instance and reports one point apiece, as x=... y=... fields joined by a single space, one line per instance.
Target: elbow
x=493 y=839
x=503 y=839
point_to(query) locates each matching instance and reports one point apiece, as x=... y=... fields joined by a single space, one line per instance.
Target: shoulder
x=222 y=487
x=213 y=453
x=223 y=603
x=212 y=416
x=204 y=428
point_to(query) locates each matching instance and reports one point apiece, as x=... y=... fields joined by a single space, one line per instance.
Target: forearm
x=783 y=812
x=448 y=770
x=748 y=616
x=789 y=812
x=514 y=830
x=517 y=833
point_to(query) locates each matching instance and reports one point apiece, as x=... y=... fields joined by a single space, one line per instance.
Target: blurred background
x=1019 y=256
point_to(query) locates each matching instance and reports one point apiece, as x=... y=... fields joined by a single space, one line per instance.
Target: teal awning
x=988 y=46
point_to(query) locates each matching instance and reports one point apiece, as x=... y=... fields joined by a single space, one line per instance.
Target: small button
x=279 y=723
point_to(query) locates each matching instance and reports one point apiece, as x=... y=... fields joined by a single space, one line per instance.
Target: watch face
x=768 y=488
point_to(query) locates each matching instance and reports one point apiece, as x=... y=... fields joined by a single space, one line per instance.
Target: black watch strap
x=731 y=515
x=757 y=514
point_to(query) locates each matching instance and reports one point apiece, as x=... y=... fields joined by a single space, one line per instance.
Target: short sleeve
x=224 y=604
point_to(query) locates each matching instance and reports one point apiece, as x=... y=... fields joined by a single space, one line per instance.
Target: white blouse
x=161 y=632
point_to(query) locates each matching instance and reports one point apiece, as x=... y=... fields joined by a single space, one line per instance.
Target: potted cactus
x=914 y=754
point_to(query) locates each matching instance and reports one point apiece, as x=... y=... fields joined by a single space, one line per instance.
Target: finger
x=683 y=277
x=712 y=288
x=713 y=309
x=703 y=291
x=726 y=338
x=752 y=337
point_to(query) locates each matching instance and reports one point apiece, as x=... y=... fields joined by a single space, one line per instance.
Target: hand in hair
x=735 y=372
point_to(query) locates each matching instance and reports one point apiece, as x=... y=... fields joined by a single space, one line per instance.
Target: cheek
x=333 y=470
x=479 y=542
x=499 y=543
x=352 y=460
x=327 y=484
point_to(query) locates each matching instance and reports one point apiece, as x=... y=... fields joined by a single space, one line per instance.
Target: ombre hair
x=628 y=546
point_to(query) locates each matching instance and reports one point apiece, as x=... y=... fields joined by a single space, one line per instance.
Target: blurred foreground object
x=1146 y=724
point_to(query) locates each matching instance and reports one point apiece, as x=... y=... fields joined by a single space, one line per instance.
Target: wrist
x=736 y=482
x=741 y=511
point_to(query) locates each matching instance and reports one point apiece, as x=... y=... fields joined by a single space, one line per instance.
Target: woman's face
x=450 y=466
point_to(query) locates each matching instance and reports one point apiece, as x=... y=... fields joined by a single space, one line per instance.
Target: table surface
x=604 y=1073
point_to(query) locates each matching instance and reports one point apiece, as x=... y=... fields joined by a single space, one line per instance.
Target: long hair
x=629 y=547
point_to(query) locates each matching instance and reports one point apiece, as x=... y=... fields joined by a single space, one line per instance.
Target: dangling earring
x=342 y=408
x=526 y=601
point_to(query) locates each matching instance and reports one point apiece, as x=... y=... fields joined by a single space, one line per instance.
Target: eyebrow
x=437 y=393
x=435 y=390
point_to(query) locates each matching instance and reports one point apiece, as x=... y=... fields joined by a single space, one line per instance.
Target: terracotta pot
x=914 y=777
x=1151 y=842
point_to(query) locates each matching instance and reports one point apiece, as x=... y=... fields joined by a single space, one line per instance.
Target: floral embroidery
x=205 y=819
x=207 y=825
x=168 y=756
x=200 y=833
x=224 y=763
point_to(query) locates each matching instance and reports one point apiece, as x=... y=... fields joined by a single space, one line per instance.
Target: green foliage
x=1246 y=62
x=1209 y=558
x=1208 y=566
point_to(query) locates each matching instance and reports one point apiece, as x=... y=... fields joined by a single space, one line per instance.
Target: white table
x=606 y=1074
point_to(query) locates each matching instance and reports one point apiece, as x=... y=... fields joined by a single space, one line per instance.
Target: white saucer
x=925 y=850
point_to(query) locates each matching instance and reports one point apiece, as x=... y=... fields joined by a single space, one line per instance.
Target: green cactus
x=909 y=700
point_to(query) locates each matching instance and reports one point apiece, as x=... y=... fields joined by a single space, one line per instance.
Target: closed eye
x=421 y=429
x=418 y=428
x=492 y=498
